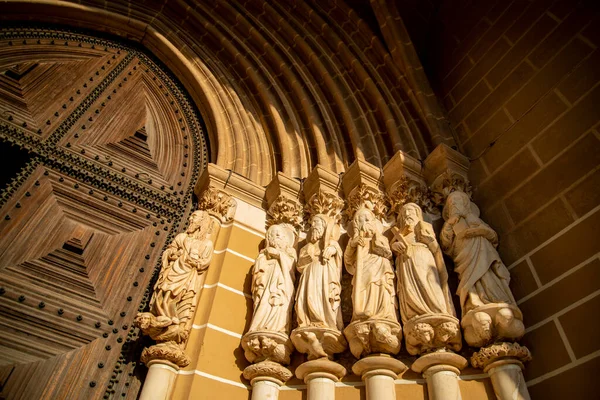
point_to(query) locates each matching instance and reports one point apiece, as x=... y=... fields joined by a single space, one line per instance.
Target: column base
x=503 y=362
x=379 y=372
x=441 y=370
x=320 y=377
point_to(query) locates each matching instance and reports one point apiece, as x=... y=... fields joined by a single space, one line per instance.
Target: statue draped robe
x=272 y=291
x=420 y=291
x=180 y=279
x=483 y=277
x=319 y=288
x=373 y=281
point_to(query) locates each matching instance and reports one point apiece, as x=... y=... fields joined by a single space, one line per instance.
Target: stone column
x=374 y=333
x=503 y=362
x=379 y=371
x=267 y=343
x=320 y=377
x=441 y=371
x=159 y=380
x=491 y=318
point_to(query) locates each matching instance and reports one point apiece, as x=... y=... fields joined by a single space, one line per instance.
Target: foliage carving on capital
x=364 y=196
x=286 y=211
x=407 y=190
x=491 y=353
x=447 y=183
x=325 y=203
x=217 y=203
x=267 y=369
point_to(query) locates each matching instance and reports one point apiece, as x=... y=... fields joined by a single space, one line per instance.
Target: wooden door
x=100 y=150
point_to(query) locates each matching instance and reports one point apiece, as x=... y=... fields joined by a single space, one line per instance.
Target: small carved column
x=431 y=328
x=318 y=298
x=490 y=316
x=177 y=292
x=267 y=343
x=374 y=333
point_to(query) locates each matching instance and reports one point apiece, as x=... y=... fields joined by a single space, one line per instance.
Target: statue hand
x=329 y=252
x=273 y=252
x=399 y=247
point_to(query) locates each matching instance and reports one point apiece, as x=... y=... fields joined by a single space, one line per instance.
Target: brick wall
x=520 y=80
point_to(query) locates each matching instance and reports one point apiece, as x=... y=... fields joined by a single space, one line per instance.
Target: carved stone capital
x=318 y=342
x=445 y=171
x=406 y=190
x=364 y=196
x=432 y=332
x=500 y=351
x=326 y=203
x=374 y=336
x=267 y=346
x=267 y=369
x=165 y=351
x=284 y=210
x=217 y=203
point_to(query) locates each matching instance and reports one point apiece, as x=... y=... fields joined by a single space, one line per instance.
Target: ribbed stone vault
x=282 y=85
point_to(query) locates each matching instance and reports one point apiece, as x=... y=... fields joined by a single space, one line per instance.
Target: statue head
x=423 y=333
x=198 y=221
x=365 y=222
x=279 y=237
x=144 y=320
x=409 y=216
x=446 y=331
x=318 y=226
x=482 y=325
x=508 y=325
x=458 y=203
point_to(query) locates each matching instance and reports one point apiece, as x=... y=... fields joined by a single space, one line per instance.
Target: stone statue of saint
x=484 y=279
x=175 y=294
x=318 y=310
x=320 y=263
x=273 y=278
x=423 y=294
x=374 y=326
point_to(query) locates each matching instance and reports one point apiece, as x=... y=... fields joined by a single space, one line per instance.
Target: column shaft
x=320 y=388
x=380 y=386
x=159 y=382
x=265 y=390
x=442 y=384
x=509 y=382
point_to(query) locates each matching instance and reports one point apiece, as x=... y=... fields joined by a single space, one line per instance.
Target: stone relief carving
x=176 y=291
x=318 y=310
x=496 y=351
x=217 y=203
x=425 y=302
x=285 y=211
x=488 y=307
x=374 y=326
x=407 y=190
x=364 y=196
x=273 y=278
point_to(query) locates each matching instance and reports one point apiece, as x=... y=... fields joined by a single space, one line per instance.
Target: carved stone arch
x=114 y=147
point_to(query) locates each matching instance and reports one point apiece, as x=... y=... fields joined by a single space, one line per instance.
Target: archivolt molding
x=281 y=86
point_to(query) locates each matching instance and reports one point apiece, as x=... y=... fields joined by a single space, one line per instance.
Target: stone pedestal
x=441 y=370
x=266 y=377
x=379 y=371
x=503 y=362
x=320 y=377
x=159 y=381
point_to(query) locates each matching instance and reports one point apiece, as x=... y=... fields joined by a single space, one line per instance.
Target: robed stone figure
x=484 y=279
x=426 y=306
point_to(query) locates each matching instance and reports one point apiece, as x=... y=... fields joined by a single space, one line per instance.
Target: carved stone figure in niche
x=426 y=306
x=179 y=282
x=374 y=326
x=273 y=279
x=484 y=279
x=318 y=310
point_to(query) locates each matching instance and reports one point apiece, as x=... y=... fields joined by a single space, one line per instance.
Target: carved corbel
x=217 y=203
